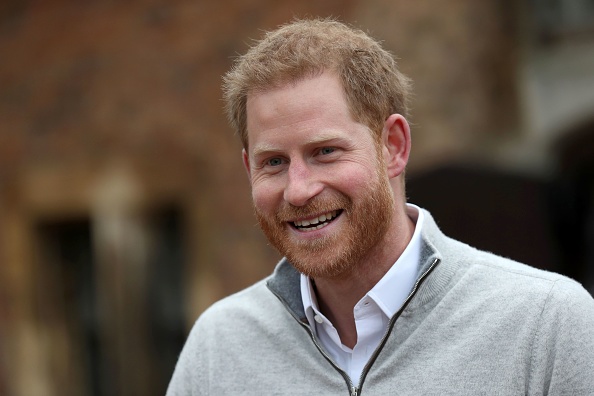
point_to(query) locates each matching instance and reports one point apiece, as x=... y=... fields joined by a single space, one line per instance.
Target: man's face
x=319 y=186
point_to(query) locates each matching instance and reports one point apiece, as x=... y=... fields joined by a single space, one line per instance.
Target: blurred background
x=124 y=207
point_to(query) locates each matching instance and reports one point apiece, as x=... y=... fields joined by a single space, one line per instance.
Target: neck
x=337 y=296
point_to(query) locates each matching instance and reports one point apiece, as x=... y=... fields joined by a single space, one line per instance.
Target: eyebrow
x=263 y=149
x=323 y=138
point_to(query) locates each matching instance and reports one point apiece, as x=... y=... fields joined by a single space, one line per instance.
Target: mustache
x=315 y=207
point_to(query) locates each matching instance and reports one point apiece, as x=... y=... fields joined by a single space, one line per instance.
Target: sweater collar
x=285 y=280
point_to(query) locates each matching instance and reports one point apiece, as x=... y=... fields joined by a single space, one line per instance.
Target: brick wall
x=95 y=91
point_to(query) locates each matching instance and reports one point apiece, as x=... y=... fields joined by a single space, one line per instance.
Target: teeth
x=315 y=223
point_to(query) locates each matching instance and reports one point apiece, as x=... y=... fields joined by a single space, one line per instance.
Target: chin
x=323 y=264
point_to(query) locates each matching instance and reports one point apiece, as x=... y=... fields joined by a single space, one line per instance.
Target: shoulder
x=504 y=273
x=498 y=271
x=228 y=327
x=485 y=273
x=246 y=305
x=510 y=278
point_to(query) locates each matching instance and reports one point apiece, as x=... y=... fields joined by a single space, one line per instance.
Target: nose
x=302 y=184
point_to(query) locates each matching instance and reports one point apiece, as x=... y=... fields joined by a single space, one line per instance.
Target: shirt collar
x=394 y=287
x=310 y=302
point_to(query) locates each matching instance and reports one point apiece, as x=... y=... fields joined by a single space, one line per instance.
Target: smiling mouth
x=317 y=222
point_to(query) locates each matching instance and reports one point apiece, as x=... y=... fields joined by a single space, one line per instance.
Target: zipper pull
x=354 y=391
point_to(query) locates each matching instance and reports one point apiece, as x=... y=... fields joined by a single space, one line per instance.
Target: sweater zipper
x=352 y=389
x=391 y=324
x=356 y=390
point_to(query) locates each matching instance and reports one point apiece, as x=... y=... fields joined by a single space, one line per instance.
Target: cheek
x=265 y=198
x=356 y=179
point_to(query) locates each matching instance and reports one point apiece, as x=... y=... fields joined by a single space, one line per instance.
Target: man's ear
x=246 y=163
x=396 y=144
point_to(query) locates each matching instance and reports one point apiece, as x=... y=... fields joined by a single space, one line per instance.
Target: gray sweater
x=475 y=324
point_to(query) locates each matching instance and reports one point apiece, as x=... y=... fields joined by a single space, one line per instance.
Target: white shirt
x=373 y=312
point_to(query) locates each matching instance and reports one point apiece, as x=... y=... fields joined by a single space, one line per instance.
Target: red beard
x=365 y=223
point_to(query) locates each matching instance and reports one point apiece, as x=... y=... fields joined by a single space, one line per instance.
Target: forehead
x=296 y=102
x=306 y=113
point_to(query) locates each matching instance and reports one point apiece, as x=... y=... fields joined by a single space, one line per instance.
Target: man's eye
x=275 y=162
x=327 y=150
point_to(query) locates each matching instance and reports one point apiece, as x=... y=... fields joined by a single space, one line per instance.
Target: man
x=371 y=298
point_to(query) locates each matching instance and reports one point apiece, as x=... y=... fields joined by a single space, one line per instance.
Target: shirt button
x=318 y=319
